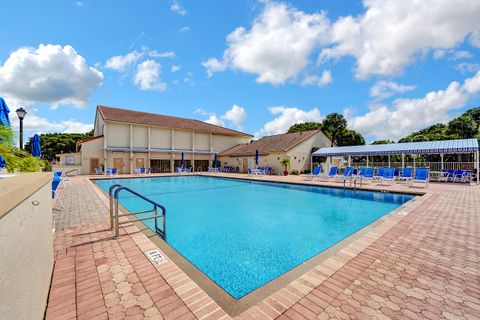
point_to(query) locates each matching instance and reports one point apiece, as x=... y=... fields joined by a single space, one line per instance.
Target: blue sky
x=258 y=66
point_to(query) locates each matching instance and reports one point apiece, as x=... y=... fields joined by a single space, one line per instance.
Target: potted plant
x=285 y=162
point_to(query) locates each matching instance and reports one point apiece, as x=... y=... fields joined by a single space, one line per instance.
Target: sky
x=390 y=67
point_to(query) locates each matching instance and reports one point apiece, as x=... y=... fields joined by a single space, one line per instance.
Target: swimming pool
x=243 y=234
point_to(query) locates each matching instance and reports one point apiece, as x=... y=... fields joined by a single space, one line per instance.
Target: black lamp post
x=21 y=114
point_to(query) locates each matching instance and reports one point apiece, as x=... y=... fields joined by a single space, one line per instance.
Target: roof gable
x=271 y=144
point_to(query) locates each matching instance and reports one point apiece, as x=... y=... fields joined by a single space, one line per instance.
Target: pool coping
x=316 y=269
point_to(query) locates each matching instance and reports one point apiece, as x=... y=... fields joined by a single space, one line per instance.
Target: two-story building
x=126 y=139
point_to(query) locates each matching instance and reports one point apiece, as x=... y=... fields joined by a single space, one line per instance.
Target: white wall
x=140 y=136
x=202 y=141
x=118 y=135
x=26 y=257
x=183 y=140
x=160 y=138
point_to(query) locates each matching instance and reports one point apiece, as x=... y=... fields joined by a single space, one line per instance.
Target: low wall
x=26 y=245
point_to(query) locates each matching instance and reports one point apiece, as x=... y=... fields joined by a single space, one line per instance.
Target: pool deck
x=420 y=262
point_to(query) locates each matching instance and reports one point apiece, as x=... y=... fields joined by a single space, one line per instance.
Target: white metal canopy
x=424 y=147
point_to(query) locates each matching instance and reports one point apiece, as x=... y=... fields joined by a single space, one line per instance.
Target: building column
x=105 y=161
x=349 y=161
x=172 y=162
x=414 y=166
x=389 y=161
x=367 y=161
x=193 y=151
x=211 y=151
x=441 y=161
x=148 y=146
x=131 y=152
x=403 y=160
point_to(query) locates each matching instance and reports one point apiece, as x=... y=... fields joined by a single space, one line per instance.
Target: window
x=69 y=160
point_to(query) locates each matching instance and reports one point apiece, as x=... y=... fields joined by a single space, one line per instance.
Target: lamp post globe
x=21 y=114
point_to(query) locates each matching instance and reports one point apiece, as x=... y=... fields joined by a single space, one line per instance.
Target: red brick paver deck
x=420 y=264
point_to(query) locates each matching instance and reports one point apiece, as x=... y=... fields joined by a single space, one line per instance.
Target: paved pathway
x=424 y=265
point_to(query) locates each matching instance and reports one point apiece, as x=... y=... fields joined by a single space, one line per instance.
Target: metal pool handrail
x=114 y=223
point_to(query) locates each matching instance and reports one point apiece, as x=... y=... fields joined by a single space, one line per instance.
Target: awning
x=160 y=150
x=424 y=147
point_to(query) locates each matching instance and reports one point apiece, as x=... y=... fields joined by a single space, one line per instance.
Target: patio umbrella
x=4 y=111
x=3 y=164
x=215 y=161
x=256 y=157
x=36 y=148
x=182 y=159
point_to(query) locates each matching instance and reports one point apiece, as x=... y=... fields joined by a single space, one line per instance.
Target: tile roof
x=138 y=117
x=270 y=144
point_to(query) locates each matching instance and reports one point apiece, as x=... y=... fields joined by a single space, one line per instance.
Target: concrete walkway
x=422 y=263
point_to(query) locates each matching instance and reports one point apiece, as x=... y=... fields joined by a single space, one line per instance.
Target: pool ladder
x=115 y=222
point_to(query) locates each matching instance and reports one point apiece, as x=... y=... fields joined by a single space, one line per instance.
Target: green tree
x=474 y=113
x=333 y=125
x=298 y=127
x=14 y=157
x=463 y=127
x=350 y=138
x=54 y=143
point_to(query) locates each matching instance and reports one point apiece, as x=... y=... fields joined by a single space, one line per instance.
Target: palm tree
x=285 y=162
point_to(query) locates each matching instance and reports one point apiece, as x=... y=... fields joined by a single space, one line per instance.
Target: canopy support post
x=349 y=161
x=367 y=161
x=478 y=166
x=389 y=161
x=414 y=162
x=403 y=160
x=441 y=161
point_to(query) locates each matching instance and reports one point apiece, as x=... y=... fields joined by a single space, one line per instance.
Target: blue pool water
x=243 y=234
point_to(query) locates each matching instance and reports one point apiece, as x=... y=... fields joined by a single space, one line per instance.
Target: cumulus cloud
x=121 y=63
x=213 y=119
x=147 y=76
x=178 y=8
x=461 y=54
x=277 y=47
x=384 y=89
x=49 y=74
x=175 y=68
x=387 y=37
x=184 y=29
x=406 y=115
x=321 y=81
x=286 y=117
x=234 y=117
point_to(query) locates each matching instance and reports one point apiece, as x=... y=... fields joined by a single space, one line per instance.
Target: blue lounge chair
x=55 y=191
x=421 y=176
x=331 y=174
x=63 y=180
x=380 y=173
x=315 y=173
x=368 y=174
x=463 y=176
x=388 y=175
x=347 y=174
x=406 y=174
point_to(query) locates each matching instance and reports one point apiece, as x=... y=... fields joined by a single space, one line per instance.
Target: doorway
x=160 y=166
x=94 y=164
x=245 y=165
x=118 y=164
x=140 y=163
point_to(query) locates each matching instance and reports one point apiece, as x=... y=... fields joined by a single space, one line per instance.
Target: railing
x=115 y=222
x=70 y=171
